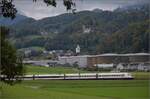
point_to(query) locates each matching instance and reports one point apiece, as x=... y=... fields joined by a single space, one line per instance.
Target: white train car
x=115 y=76
x=82 y=76
x=99 y=76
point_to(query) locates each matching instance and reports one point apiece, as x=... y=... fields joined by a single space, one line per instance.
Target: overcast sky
x=40 y=10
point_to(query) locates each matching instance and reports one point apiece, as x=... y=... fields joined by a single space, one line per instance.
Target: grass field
x=50 y=70
x=141 y=75
x=77 y=89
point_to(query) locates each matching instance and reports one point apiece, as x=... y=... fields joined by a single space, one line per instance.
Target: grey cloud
x=40 y=10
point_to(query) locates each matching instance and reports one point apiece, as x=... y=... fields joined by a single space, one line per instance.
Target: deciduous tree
x=11 y=69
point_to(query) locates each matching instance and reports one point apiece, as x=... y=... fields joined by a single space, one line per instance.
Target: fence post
x=33 y=77
x=79 y=75
x=96 y=76
x=64 y=76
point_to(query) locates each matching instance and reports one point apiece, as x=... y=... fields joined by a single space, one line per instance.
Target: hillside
x=120 y=31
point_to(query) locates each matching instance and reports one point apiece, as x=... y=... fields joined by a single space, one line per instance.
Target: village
x=102 y=62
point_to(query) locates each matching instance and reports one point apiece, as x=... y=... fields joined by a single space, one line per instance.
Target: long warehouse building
x=91 y=61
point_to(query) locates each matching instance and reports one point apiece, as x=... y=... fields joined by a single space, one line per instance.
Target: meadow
x=77 y=89
x=50 y=70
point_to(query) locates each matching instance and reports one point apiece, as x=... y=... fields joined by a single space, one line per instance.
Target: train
x=81 y=76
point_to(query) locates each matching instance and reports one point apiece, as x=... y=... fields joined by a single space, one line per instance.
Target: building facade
x=80 y=60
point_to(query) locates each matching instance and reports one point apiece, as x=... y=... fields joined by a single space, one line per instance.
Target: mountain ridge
x=89 y=29
x=9 y=21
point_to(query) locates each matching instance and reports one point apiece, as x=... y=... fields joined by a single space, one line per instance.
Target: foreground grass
x=77 y=89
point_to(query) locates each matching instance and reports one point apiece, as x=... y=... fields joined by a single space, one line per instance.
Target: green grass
x=141 y=75
x=49 y=70
x=77 y=89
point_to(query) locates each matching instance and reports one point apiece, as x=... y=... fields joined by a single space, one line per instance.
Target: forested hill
x=120 y=31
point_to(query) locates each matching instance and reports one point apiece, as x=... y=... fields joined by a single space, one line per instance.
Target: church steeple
x=78 y=49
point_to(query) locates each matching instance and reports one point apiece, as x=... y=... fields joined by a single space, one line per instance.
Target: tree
x=11 y=65
x=7 y=8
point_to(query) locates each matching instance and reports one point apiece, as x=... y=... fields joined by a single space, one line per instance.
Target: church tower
x=78 y=50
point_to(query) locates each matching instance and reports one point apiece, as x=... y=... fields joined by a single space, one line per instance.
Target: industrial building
x=133 y=61
x=80 y=60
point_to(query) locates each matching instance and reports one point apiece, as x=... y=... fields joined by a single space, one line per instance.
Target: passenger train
x=81 y=76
